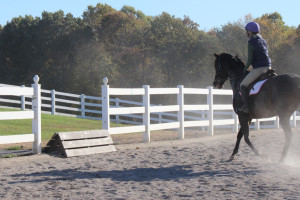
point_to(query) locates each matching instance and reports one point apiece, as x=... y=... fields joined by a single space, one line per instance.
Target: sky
x=207 y=13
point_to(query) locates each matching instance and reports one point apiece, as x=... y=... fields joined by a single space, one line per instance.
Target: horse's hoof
x=281 y=161
x=233 y=157
x=264 y=157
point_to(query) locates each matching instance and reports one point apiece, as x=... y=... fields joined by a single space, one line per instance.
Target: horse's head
x=221 y=72
x=227 y=67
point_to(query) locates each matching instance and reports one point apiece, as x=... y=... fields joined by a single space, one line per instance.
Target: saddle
x=253 y=88
x=270 y=73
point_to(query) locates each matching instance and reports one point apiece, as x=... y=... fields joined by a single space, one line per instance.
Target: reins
x=219 y=73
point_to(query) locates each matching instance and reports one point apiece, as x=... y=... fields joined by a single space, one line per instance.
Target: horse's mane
x=235 y=60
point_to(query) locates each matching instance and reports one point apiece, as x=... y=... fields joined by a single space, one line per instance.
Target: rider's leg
x=252 y=76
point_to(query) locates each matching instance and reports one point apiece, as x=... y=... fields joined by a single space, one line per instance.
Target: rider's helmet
x=253 y=27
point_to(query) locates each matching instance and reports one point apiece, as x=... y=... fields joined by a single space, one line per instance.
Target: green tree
x=136 y=13
x=123 y=36
x=232 y=37
x=287 y=54
x=131 y=49
x=93 y=15
x=278 y=36
x=180 y=48
x=17 y=44
x=274 y=30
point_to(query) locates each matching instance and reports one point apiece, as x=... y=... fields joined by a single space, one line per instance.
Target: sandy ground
x=193 y=168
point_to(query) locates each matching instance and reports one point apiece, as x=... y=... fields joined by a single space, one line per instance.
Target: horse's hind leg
x=285 y=124
x=247 y=140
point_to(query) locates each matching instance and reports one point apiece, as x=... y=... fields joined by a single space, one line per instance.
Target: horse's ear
x=216 y=55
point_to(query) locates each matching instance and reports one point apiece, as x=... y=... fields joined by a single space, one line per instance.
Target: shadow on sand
x=136 y=174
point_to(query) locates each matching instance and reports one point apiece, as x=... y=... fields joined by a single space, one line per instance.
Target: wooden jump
x=80 y=143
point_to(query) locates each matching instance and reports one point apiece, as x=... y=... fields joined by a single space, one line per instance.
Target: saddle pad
x=257 y=87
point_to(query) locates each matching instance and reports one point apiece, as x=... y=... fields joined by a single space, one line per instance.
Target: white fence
x=35 y=114
x=87 y=107
x=58 y=103
x=210 y=122
x=208 y=115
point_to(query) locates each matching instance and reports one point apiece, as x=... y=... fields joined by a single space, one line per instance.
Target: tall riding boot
x=244 y=92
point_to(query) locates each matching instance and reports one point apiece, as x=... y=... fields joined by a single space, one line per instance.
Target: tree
x=123 y=36
x=180 y=48
x=287 y=54
x=17 y=44
x=136 y=13
x=131 y=49
x=273 y=30
x=93 y=15
x=60 y=37
x=278 y=36
x=233 y=37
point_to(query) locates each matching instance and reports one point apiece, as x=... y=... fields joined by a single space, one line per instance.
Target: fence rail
x=180 y=108
x=35 y=114
x=56 y=103
x=146 y=109
x=207 y=115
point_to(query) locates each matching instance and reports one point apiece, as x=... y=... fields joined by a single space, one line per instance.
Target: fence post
x=117 y=105
x=257 y=125
x=36 y=122
x=22 y=100
x=202 y=118
x=105 y=105
x=180 y=102
x=236 y=122
x=52 y=102
x=210 y=114
x=146 y=115
x=160 y=116
x=277 y=125
x=82 y=97
x=294 y=122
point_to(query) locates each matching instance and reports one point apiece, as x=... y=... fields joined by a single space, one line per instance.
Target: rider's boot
x=244 y=92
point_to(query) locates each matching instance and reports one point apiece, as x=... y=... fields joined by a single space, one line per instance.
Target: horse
x=279 y=96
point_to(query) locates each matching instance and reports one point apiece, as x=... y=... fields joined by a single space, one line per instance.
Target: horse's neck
x=235 y=84
x=236 y=76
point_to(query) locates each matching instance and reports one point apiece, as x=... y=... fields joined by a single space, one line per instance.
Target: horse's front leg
x=237 y=144
x=244 y=120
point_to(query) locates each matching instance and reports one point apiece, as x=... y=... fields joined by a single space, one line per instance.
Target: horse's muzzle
x=218 y=84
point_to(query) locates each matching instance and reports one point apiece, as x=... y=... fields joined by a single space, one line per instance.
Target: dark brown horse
x=279 y=96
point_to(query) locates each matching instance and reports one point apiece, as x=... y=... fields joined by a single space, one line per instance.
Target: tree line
x=130 y=48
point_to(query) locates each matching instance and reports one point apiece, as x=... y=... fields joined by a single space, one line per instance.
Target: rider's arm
x=250 y=55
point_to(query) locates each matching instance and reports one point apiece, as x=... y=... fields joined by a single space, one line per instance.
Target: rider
x=257 y=57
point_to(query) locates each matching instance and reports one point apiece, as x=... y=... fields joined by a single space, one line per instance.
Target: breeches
x=253 y=75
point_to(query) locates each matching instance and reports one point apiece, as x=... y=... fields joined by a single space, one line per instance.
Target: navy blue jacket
x=260 y=56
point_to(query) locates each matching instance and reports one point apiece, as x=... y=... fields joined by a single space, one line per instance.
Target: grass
x=8 y=156
x=50 y=125
x=13 y=148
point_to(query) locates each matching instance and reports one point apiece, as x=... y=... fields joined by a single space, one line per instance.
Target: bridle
x=219 y=77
